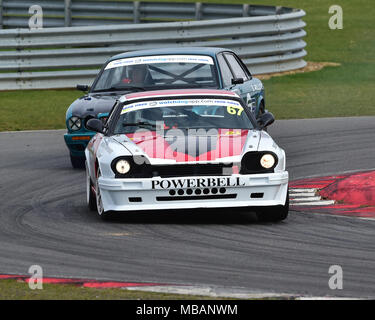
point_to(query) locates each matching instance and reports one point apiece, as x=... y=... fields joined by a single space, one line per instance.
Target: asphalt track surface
x=44 y=220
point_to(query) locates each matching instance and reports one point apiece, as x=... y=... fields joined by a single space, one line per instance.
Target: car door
x=250 y=89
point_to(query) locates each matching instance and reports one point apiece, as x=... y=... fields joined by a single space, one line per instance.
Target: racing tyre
x=275 y=213
x=77 y=162
x=90 y=194
x=104 y=215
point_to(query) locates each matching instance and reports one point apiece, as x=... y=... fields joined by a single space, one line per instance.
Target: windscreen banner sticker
x=160 y=59
x=233 y=107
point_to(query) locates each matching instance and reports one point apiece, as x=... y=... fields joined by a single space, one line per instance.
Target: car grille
x=141 y=168
x=187 y=198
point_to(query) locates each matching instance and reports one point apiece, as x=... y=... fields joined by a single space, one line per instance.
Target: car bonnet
x=161 y=146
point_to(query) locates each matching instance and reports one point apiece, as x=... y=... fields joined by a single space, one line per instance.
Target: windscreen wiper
x=140 y=124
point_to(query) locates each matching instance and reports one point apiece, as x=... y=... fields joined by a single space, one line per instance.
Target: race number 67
x=234 y=110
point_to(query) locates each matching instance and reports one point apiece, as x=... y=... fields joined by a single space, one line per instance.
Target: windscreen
x=183 y=114
x=154 y=72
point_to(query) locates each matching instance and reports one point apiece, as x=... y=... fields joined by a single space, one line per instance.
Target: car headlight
x=267 y=161
x=122 y=166
x=75 y=123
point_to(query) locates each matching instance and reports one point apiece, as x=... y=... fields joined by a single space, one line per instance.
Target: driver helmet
x=138 y=73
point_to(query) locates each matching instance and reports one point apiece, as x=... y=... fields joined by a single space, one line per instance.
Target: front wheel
x=104 y=215
x=90 y=194
x=274 y=213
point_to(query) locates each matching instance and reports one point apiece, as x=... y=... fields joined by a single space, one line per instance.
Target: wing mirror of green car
x=237 y=81
x=82 y=87
x=265 y=120
x=95 y=125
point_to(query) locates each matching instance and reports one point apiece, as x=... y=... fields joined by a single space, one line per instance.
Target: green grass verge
x=35 y=109
x=19 y=290
x=346 y=90
x=334 y=91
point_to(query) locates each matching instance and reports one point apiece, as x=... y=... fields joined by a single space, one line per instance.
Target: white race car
x=185 y=149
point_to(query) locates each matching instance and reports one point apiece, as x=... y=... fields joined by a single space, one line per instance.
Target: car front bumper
x=77 y=142
x=253 y=190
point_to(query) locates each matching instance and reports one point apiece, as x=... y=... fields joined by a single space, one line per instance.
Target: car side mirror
x=82 y=87
x=266 y=119
x=95 y=125
x=237 y=81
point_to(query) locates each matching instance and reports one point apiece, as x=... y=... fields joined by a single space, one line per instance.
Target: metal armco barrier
x=268 y=39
